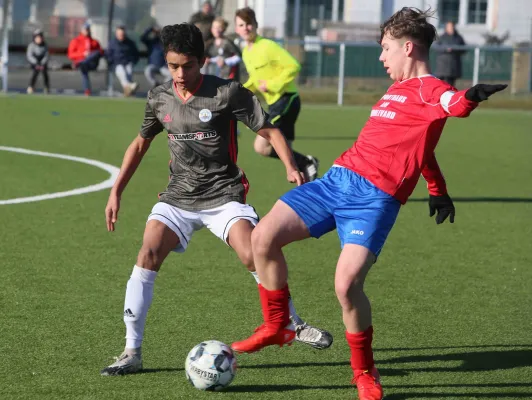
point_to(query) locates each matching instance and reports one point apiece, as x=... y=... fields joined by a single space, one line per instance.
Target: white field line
x=113 y=171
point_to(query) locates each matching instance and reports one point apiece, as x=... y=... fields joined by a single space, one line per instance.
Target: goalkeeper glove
x=482 y=91
x=445 y=207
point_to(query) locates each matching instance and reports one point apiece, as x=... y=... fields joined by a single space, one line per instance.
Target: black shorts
x=283 y=114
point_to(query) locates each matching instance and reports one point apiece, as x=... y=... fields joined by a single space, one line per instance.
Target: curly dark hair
x=411 y=23
x=183 y=39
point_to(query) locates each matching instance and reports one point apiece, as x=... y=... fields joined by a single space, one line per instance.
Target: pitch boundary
x=111 y=169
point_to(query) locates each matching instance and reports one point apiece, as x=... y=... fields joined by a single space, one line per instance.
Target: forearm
x=132 y=158
x=282 y=149
x=436 y=184
x=250 y=85
x=456 y=104
x=233 y=60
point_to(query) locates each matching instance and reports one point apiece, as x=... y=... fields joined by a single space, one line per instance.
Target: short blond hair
x=222 y=22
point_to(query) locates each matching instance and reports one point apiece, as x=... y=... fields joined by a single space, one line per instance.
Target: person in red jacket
x=360 y=196
x=85 y=53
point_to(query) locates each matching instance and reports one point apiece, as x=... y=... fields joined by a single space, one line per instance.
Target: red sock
x=275 y=307
x=361 y=352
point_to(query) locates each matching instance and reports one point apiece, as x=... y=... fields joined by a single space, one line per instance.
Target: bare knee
x=264 y=148
x=261 y=241
x=150 y=258
x=246 y=257
x=348 y=293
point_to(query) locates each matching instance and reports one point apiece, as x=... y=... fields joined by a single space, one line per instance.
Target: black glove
x=445 y=207
x=482 y=91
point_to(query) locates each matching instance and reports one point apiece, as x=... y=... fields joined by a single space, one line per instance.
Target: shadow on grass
x=470 y=361
x=281 y=388
x=153 y=370
x=472 y=395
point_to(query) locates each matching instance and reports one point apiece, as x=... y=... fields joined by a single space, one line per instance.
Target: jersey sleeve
x=448 y=101
x=289 y=67
x=455 y=104
x=151 y=126
x=246 y=107
x=435 y=181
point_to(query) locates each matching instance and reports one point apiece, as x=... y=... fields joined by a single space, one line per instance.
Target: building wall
x=514 y=16
x=169 y=12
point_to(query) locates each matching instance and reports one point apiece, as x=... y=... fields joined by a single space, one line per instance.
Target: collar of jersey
x=192 y=92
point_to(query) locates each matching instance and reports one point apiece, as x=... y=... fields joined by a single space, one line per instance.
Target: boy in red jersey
x=361 y=195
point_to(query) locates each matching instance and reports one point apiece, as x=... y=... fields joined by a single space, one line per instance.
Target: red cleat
x=368 y=384
x=263 y=337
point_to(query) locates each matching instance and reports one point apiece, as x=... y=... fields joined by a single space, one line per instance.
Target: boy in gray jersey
x=206 y=186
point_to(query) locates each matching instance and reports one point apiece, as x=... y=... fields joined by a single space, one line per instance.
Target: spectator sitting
x=85 y=53
x=203 y=20
x=37 y=55
x=222 y=55
x=156 y=61
x=122 y=55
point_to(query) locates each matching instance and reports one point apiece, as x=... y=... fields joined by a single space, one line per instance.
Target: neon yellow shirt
x=267 y=61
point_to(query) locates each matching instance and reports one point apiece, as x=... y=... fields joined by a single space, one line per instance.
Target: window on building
x=448 y=11
x=477 y=11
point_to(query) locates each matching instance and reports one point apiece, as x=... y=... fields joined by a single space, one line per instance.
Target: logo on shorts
x=357 y=232
x=205 y=115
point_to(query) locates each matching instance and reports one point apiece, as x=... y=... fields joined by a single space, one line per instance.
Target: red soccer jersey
x=397 y=142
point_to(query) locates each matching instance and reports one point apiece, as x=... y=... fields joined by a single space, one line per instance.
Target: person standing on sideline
x=37 y=55
x=222 y=55
x=361 y=195
x=85 y=53
x=272 y=72
x=156 y=62
x=203 y=20
x=449 y=59
x=122 y=55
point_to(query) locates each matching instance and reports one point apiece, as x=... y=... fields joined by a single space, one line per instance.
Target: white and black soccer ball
x=210 y=365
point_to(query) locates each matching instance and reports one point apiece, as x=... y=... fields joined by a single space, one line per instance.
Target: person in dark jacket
x=156 y=61
x=122 y=55
x=37 y=55
x=203 y=20
x=449 y=59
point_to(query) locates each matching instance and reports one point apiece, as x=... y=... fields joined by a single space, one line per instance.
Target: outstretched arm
x=460 y=104
x=132 y=158
x=281 y=147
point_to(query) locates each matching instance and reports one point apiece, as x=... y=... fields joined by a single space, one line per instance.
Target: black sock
x=301 y=160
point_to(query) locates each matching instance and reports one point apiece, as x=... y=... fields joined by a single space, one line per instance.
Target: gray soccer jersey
x=202 y=140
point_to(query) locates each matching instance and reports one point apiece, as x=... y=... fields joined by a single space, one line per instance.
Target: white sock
x=293 y=313
x=139 y=294
x=256 y=276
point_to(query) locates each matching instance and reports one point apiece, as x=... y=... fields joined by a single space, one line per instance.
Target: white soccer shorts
x=218 y=220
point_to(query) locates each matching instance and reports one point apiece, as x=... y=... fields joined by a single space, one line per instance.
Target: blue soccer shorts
x=342 y=199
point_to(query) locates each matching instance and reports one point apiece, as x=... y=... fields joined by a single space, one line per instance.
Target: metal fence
x=332 y=69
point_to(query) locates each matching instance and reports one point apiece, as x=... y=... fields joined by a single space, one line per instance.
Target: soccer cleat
x=311 y=170
x=265 y=337
x=87 y=92
x=126 y=363
x=314 y=337
x=368 y=384
x=29 y=90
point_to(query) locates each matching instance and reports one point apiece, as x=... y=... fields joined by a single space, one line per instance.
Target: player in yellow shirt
x=272 y=72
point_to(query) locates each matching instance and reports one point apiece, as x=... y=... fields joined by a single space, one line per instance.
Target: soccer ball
x=210 y=365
